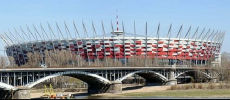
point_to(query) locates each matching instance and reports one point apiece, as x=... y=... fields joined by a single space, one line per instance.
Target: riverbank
x=167 y=92
x=158 y=92
x=181 y=93
x=37 y=93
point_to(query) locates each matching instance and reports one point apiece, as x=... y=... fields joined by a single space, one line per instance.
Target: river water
x=87 y=96
x=147 y=97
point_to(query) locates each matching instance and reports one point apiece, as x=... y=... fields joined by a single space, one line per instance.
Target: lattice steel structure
x=195 y=47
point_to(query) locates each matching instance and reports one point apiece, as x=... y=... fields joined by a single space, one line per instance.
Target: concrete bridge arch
x=194 y=76
x=96 y=83
x=146 y=74
x=5 y=86
x=201 y=72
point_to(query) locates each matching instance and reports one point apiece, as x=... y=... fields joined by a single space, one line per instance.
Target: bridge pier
x=172 y=80
x=214 y=80
x=115 y=87
x=22 y=93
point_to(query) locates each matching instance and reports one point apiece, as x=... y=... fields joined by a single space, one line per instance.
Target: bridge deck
x=96 y=68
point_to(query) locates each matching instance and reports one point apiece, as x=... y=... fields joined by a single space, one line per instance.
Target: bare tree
x=3 y=62
x=225 y=59
x=12 y=62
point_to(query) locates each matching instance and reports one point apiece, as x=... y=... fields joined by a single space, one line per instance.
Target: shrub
x=200 y=86
x=211 y=86
x=173 y=87
x=221 y=85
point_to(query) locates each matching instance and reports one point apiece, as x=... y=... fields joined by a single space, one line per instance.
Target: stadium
x=194 y=48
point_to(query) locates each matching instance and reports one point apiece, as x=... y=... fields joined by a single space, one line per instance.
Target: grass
x=183 y=93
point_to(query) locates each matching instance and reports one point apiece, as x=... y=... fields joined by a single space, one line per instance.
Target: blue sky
x=212 y=14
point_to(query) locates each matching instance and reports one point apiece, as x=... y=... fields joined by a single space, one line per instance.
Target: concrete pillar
x=21 y=94
x=115 y=87
x=14 y=79
x=21 y=79
x=27 y=78
x=8 y=78
x=171 y=79
x=172 y=82
x=1 y=78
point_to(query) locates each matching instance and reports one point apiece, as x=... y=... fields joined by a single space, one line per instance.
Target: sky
x=213 y=14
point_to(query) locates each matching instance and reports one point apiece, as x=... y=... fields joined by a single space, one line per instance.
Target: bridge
x=99 y=79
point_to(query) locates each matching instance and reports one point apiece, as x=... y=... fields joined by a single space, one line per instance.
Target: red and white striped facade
x=123 y=47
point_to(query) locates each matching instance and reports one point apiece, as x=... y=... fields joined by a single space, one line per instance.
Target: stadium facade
x=197 y=48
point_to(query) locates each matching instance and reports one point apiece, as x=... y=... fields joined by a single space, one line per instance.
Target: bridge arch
x=94 y=81
x=6 y=86
x=205 y=74
x=146 y=72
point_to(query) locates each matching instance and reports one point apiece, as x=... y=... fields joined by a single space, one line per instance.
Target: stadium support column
x=169 y=36
x=158 y=30
x=195 y=36
x=123 y=28
x=171 y=78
